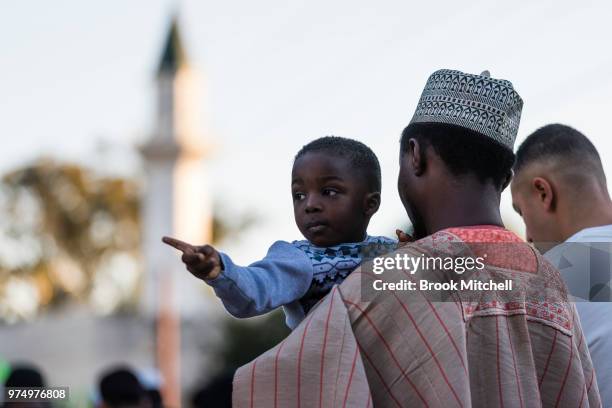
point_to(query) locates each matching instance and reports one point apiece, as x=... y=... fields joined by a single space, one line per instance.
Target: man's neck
x=461 y=206
x=596 y=214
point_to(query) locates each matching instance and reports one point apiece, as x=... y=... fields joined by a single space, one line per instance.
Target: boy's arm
x=283 y=276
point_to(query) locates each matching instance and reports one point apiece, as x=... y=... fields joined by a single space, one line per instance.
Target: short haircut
x=120 y=387
x=464 y=151
x=560 y=142
x=360 y=156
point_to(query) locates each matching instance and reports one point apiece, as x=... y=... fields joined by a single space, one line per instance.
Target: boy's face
x=331 y=200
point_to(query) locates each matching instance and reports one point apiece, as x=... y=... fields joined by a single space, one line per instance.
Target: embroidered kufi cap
x=480 y=103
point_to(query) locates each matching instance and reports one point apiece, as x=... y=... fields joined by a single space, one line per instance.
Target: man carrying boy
x=399 y=348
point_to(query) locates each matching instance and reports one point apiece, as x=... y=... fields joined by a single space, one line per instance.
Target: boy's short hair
x=464 y=151
x=360 y=156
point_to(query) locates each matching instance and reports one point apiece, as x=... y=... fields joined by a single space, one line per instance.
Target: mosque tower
x=176 y=202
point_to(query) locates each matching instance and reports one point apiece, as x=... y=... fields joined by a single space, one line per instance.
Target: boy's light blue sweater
x=294 y=275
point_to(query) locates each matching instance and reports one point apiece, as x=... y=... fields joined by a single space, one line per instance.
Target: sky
x=77 y=83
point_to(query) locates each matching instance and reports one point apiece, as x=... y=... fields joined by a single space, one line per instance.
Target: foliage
x=62 y=223
x=230 y=225
x=245 y=340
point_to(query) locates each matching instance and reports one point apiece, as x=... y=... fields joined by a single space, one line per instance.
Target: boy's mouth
x=316 y=226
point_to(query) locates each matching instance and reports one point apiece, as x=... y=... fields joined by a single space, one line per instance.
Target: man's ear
x=372 y=203
x=416 y=157
x=544 y=191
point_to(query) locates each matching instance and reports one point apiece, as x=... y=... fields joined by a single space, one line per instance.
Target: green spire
x=174 y=55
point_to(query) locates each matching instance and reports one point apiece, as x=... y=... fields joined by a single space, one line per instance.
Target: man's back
x=496 y=352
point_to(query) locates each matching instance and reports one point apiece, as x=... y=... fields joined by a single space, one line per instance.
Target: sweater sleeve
x=282 y=277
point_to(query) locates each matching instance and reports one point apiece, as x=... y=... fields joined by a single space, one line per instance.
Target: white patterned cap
x=480 y=103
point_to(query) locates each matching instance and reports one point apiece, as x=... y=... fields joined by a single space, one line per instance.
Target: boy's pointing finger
x=178 y=244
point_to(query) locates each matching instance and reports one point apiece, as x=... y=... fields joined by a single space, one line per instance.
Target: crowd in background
x=120 y=386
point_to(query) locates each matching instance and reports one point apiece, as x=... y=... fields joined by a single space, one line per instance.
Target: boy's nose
x=312 y=205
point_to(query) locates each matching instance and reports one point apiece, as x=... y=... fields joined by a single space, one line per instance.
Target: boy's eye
x=330 y=192
x=299 y=196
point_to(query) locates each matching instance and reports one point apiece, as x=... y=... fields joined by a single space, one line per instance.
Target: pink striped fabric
x=402 y=350
x=319 y=365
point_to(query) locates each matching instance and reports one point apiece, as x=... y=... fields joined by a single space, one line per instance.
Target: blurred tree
x=62 y=223
x=226 y=226
x=243 y=340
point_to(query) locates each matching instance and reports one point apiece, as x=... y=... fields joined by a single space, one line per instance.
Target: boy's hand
x=202 y=261
x=403 y=237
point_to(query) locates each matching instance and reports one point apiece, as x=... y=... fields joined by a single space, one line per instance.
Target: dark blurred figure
x=120 y=388
x=25 y=375
x=217 y=393
x=155 y=398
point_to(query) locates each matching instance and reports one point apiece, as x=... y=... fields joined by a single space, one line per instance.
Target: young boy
x=335 y=183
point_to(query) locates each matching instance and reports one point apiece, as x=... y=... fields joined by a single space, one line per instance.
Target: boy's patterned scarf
x=331 y=265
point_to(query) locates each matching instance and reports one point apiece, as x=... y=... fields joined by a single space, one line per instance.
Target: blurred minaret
x=176 y=203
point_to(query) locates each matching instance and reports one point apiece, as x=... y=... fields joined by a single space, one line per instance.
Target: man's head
x=457 y=150
x=558 y=178
x=430 y=152
x=336 y=186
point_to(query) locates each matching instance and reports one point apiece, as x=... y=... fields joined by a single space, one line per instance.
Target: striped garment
x=402 y=350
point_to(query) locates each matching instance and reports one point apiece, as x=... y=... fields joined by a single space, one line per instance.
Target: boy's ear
x=372 y=203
